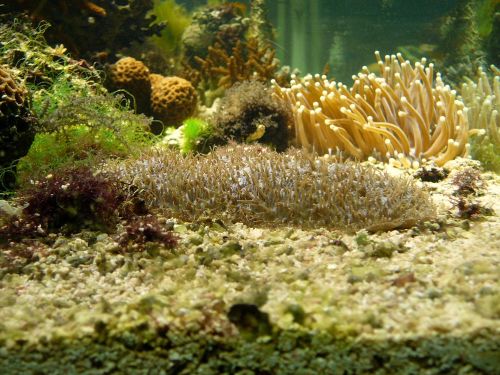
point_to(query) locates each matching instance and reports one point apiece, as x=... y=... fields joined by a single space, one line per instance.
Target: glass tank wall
x=341 y=35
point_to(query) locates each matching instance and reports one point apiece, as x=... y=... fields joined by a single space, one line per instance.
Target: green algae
x=83 y=130
x=285 y=353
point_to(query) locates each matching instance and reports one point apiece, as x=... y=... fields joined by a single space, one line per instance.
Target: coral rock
x=173 y=99
x=132 y=76
x=12 y=95
x=90 y=27
x=16 y=127
x=248 y=113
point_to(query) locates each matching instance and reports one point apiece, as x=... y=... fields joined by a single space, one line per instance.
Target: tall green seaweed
x=176 y=19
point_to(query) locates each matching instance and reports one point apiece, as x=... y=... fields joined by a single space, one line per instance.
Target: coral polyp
x=258 y=186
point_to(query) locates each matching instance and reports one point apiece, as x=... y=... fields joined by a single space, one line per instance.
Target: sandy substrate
x=234 y=299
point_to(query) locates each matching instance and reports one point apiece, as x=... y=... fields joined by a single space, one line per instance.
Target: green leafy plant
x=83 y=131
x=194 y=135
x=195 y=131
x=24 y=48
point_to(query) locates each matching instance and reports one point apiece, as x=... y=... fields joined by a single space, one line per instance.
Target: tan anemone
x=404 y=116
x=482 y=97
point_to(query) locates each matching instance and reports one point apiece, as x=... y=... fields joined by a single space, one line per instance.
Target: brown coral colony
x=246 y=60
x=132 y=76
x=173 y=99
x=168 y=99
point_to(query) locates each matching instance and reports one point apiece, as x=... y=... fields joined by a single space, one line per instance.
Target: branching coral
x=482 y=97
x=258 y=186
x=405 y=115
x=12 y=93
x=246 y=60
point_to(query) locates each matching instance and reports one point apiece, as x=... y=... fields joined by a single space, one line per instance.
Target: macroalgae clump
x=258 y=186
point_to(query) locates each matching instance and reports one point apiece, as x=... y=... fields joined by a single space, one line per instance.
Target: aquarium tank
x=249 y=187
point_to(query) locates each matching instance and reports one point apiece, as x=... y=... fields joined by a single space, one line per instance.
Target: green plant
x=46 y=98
x=83 y=130
x=24 y=48
x=194 y=135
x=487 y=153
x=485 y=13
x=195 y=132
